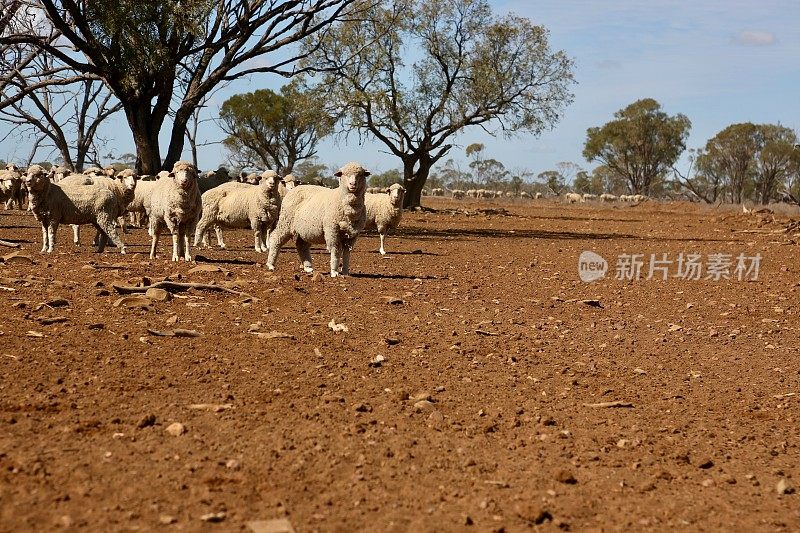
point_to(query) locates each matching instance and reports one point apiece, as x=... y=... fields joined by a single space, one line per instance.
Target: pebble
x=436 y=420
x=167 y=519
x=705 y=463
x=176 y=429
x=276 y=525
x=784 y=487
x=533 y=512
x=565 y=476
x=146 y=420
x=158 y=295
x=213 y=517
x=423 y=405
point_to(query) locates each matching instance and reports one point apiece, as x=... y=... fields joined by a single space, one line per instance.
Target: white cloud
x=755 y=38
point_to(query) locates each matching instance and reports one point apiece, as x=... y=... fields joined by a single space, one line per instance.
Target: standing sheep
x=122 y=186
x=286 y=184
x=54 y=204
x=313 y=214
x=239 y=205
x=175 y=202
x=384 y=211
x=573 y=197
x=213 y=178
x=11 y=187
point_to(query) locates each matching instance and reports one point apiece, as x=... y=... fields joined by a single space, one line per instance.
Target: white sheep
x=472 y=193
x=458 y=194
x=53 y=204
x=539 y=196
x=573 y=197
x=285 y=185
x=589 y=197
x=139 y=207
x=384 y=211
x=639 y=198
x=213 y=178
x=239 y=205
x=122 y=187
x=313 y=214
x=437 y=192
x=175 y=202
x=11 y=186
x=606 y=197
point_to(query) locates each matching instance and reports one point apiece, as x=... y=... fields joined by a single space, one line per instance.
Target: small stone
x=102 y=292
x=784 y=487
x=277 y=525
x=565 y=476
x=708 y=482
x=392 y=341
x=436 y=420
x=317 y=277
x=533 y=512
x=176 y=429
x=147 y=420
x=705 y=463
x=167 y=519
x=468 y=521
x=423 y=405
x=377 y=361
x=158 y=295
x=133 y=301
x=213 y=517
x=233 y=464
x=362 y=408
x=172 y=320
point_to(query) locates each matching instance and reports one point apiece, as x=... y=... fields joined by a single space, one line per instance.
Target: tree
x=152 y=53
x=274 y=131
x=60 y=112
x=452 y=175
x=729 y=156
x=582 y=183
x=385 y=179
x=489 y=172
x=775 y=161
x=554 y=181
x=640 y=145
x=312 y=171
x=707 y=183
x=471 y=68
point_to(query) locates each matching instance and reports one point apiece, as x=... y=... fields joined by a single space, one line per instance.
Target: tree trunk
x=178 y=137
x=414 y=182
x=145 y=137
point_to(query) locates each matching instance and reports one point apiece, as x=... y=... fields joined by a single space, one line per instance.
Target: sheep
x=53 y=204
x=606 y=197
x=214 y=178
x=437 y=192
x=639 y=198
x=11 y=187
x=573 y=197
x=175 y=202
x=539 y=196
x=287 y=184
x=238 y=205
x=458 y=194
x=472 y=193
x=139 y=207
x=589 y=197
x=122 y=186
x=384 y=211
x=314 y=214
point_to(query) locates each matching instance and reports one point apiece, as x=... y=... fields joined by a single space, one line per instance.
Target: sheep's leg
x=109 y=231
x=154 y=229
x=220 y=238
x=52 y=230
x=382 y=236
x=121 y=223
x=304 y=251
x=187 y=230
x=255 y=225
x=336 y=253
x=45 y=237
x=100 y=239
x=277 y=238
x=346 y=260
x=76 y=234
x=201 y=233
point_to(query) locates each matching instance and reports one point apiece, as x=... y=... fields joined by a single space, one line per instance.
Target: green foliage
x=640 y=145
x=582 y=183
x=385 y=179
x=489 y=173
x=270 y=130
x=471 y=68
x=312 y=171
x=553 y=180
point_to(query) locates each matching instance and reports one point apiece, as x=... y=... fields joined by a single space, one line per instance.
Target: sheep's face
x=289 y=182
x=127 y=180
x=185 y=175
x=12 y=167
x=269 y=182
x=396 y=194
x=353 y=178
x=36 y=178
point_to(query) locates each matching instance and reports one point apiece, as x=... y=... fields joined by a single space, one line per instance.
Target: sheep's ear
x=338 y=174
x=367 y=173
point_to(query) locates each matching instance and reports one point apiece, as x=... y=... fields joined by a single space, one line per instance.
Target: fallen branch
x=10 y=244
x=174 y=286
x=617 y=403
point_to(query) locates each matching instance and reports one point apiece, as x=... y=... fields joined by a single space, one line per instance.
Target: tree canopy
x=414 y=73
x=641 y=144
x=276 y=131
x=160 y=59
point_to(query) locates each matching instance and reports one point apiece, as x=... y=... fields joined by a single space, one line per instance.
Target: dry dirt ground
x=480 y=416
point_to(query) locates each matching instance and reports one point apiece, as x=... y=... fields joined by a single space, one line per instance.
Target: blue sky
x=718 y=62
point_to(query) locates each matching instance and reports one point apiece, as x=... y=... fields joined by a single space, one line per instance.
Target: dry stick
x=10 y=244
x=174 y=286
x=617 y=403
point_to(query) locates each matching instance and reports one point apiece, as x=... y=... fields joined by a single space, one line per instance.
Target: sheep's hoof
x=334 y=274
x=123 y=250
x=270 y=267
x=307 y=269
x=383 y=252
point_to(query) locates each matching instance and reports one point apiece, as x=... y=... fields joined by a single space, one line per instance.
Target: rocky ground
x=469 y=380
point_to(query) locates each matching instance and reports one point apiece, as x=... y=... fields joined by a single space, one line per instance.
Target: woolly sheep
x=214 y=178
x=239 y=205
x=139 y=207
x=11 y=186
x=384 y=211
x=53 y=204
x=587 y=197
x=287 y=184
x=638 y=198
x=539 y=196
x=175 y=202
x=472 y=193
x=606 y=197
x=573 y=197
x=122 y=187
x=437 y=192
x=314 y=214
x=458 y=194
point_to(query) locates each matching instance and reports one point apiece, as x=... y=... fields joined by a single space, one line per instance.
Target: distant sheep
x=573 y=197
x=12 y=189
x=588 y=197
x=239 y=205
x=175 y=203
x=539 y=196
x=314 y=214
x=54 y=204
x=458 y=194
x=213 y=178
x=437 y=192
x=606 y=197
x=384 y=211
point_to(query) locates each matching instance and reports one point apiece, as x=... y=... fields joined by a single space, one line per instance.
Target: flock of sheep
x=459 y=194
x=188 y=205
x=573 y=197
